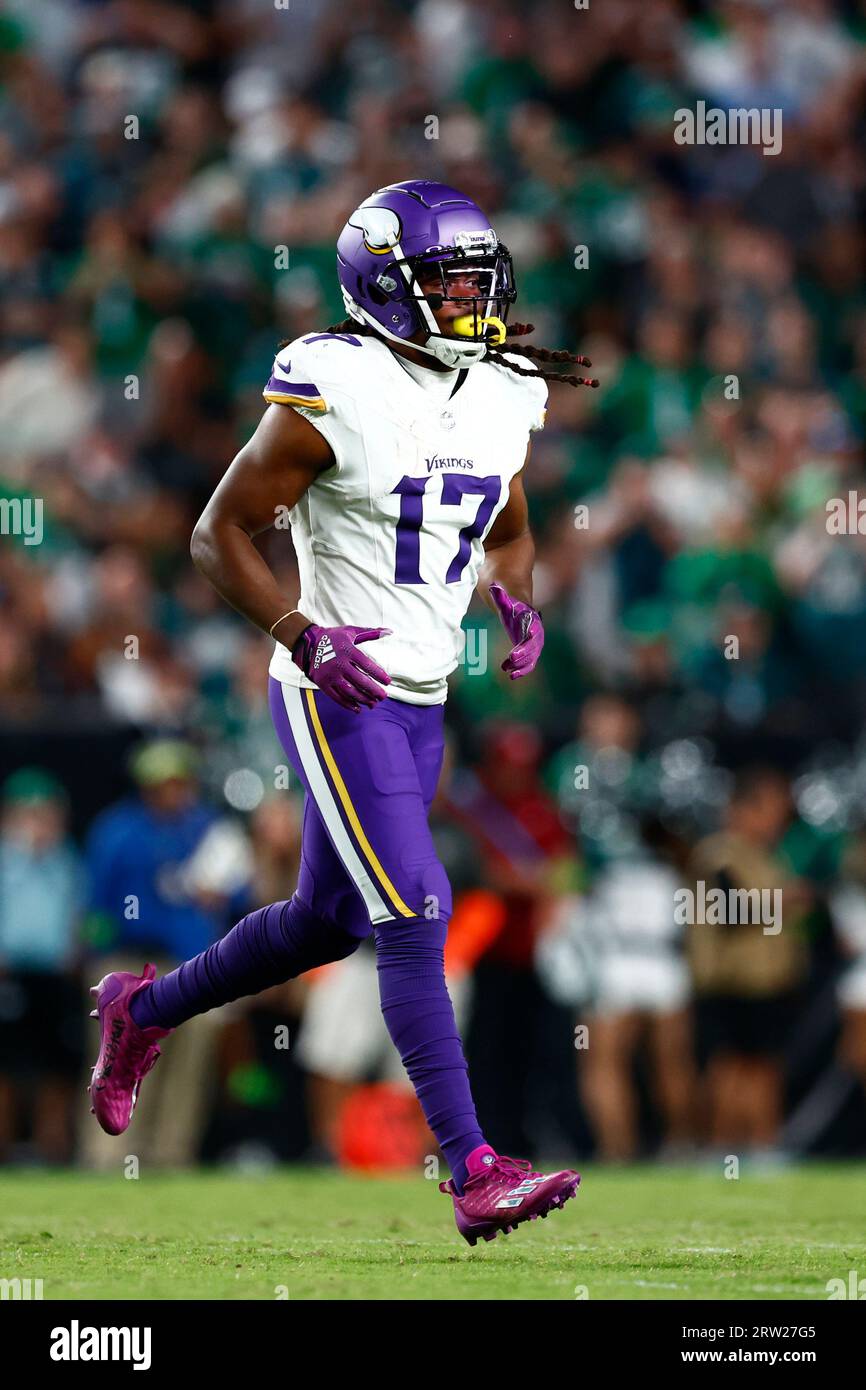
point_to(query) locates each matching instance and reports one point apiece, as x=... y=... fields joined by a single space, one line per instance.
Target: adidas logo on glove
x=324 y=652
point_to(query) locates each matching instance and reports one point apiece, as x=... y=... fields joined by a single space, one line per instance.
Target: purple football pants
x=368 y=863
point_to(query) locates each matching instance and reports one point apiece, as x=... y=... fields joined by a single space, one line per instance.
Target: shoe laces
x=506 y=1168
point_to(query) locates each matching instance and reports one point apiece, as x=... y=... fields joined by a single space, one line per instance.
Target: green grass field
x=636 y=1233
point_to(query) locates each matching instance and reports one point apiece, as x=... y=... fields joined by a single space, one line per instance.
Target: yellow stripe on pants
x=363 y=843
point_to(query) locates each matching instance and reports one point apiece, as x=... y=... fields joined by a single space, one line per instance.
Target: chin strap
x=450 y=354
x=456 y=355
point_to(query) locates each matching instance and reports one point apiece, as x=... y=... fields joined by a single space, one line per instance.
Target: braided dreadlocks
x=513 y=330
x=539 y=354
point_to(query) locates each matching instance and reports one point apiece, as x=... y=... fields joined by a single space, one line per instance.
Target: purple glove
x=525 y=628
x=329 y=656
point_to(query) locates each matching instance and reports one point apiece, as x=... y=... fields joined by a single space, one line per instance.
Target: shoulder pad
x=302 y=370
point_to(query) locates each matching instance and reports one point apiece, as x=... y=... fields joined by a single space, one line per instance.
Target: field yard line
x=770 y=1288
x=834 y=1244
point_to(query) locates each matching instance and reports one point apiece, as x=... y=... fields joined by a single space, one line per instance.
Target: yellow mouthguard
x=464 y=327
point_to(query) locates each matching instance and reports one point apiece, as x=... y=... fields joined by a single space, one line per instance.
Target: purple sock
x=267 y=947
x=420 y=1018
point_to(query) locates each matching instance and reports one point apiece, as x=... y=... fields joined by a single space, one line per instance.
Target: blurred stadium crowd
x=155 y=157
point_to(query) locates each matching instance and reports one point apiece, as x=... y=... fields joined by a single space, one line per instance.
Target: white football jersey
x=393 y=535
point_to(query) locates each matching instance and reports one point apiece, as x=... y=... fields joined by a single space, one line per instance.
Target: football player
x=395 y=442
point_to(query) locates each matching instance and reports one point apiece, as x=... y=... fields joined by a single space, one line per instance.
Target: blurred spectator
x=168 y=875
x=747 y=974
x=848 y=908
x=41 y=902
x=616 y=955
x=260 y=1107
x=526 y=859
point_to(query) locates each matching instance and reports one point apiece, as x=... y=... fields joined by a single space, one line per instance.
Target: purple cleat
x=126 y=1052
x=500 y=1193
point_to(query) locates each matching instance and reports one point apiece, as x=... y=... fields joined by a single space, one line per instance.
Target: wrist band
x=279 y=620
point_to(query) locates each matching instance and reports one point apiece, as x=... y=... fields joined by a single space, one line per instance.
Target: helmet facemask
x=481 y=284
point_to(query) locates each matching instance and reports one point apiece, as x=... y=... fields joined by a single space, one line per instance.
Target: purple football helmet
x=413 y=246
